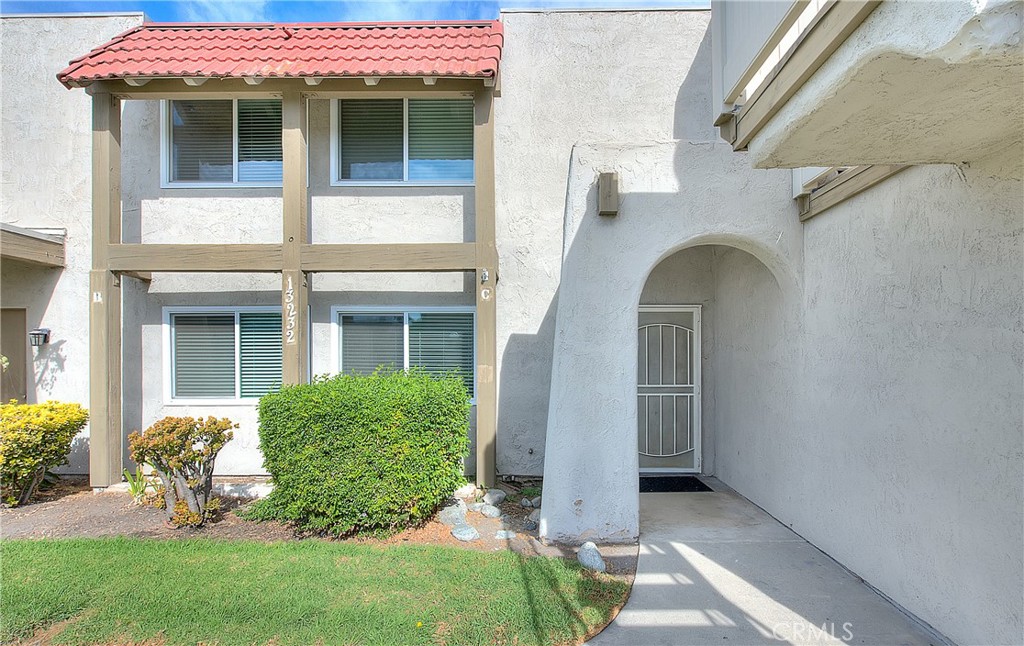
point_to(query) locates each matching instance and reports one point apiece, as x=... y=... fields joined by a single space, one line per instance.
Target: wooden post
x=294 y=282
x=486 y=289
x=105 y=296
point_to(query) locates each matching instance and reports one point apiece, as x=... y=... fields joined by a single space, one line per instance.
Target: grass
x=305 y=592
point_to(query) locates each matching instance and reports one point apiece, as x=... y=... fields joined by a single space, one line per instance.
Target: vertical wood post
x=486 y=288
x=105 y=296
x=294 y=282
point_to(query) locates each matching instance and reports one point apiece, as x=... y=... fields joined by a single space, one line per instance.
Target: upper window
x=224 y=354
x=224 y=142
x=403 y=141
x=438 y=341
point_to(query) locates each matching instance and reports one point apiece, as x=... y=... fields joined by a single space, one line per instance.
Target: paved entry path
x=715 y=569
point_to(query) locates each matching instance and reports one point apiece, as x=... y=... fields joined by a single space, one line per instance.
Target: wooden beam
x=486 y=289
x=780 y=31
x=213 y=88
x=816 y=45
x=294 y=282
x=846 y=185
x=428 y=256
x=24 y=245
x=144 y=276
x=256 y=258
x=105 y=296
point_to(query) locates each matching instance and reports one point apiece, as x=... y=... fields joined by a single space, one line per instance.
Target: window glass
x=440 y=140
x=372 y=340
x=203 y=347
x=259 y=352
x=259 y=140
x=201 y=141
x=371 y=139
x=442 y=342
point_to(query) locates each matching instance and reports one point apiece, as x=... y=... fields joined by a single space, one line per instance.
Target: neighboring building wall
x=45 y=179
x=902 y=455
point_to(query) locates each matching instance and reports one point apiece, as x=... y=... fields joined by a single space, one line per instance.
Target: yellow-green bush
x=34 y=438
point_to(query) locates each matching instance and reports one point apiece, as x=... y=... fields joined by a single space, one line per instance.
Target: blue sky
x=316 y=11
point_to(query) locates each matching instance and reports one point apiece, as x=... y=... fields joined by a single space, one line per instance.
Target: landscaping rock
x=590 y=558
x=529 y=525
x=504 y=534
x=525 y=503
x=490 y=511
x=475 y=506
x=453 y=513
x=535 y=515
x=465 y=533
x=536 y=502
x=494 y=497
x=465 y=491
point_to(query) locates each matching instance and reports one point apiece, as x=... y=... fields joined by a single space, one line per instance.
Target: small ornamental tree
x=34 y=438
x=182 y=451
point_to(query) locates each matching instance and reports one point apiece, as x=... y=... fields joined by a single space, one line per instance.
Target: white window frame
x=168 y=356
x=404 y=310
x=336 y=140
x=165 y=149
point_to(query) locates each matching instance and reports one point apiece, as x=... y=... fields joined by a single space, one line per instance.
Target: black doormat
x=671 y=484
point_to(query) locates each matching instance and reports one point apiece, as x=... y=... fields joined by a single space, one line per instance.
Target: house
x=779 y=243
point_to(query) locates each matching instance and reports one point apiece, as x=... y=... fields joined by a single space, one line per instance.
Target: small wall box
x=608 y=194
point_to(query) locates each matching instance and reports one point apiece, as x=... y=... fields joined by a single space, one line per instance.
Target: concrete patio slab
x=715 y=569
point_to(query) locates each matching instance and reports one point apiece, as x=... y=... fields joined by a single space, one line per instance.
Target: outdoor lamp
x=39 y=336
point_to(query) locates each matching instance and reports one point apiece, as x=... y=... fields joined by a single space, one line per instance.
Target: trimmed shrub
x=34 y=438
x=182 y=451
x=363 y=454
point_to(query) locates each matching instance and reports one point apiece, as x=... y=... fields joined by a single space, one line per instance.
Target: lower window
x=438 y=340
x=224 y=353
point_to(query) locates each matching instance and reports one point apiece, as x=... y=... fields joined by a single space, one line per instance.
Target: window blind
x=372 y=340
x=441 y=342
x=203 y=347
x=259 y=140
x=371 y=139
x=201 y=141
x=440 y=139
x=259 y=352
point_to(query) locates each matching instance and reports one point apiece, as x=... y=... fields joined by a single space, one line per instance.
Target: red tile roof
x=154 y=50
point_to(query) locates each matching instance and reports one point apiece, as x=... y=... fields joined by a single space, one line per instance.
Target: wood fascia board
x=813 y=49
x=848 y=184
x=773 y=40
x=258 y=258
x=28 y=248
x=236 y=88
x=427 y=257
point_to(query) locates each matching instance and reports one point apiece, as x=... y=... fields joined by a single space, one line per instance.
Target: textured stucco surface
x=937 y=82
x=46 y=170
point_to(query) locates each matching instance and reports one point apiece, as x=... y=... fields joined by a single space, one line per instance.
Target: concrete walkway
x=716 y=569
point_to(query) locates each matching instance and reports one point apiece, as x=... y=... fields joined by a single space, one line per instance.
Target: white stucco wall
x=45 y=181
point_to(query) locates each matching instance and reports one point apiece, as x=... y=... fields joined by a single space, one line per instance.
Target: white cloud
x=224 y=11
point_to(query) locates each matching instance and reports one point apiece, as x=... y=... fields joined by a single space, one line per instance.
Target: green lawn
x=189 y=591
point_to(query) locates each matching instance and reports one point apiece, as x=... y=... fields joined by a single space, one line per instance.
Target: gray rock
x=536 y=502
x=535 y=515
x=490 y=511
x=465 y=533
x=453 y=513
x=504 y=534
x=525 y=503
x=476 y=506
x=494 y=497
x=529 y=525
x=590 y=558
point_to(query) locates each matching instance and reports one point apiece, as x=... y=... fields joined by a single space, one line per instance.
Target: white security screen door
x=668 y=389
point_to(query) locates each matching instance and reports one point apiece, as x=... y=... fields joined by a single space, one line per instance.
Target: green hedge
x=363 y=454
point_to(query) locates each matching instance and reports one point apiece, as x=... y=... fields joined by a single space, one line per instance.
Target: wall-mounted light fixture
x=608 y=194
x=39 y=336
